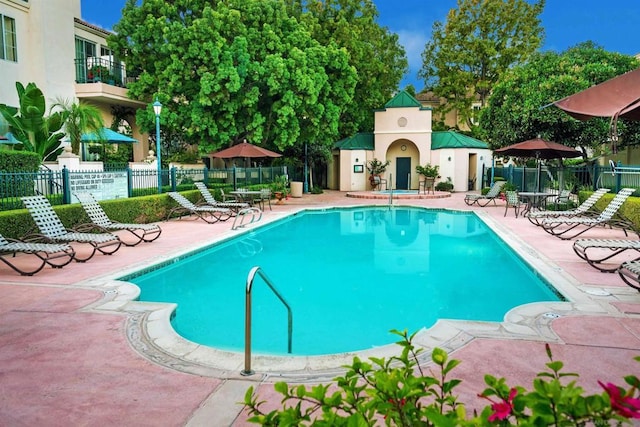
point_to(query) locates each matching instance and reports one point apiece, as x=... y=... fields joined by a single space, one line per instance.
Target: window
x=475 y=113
x=8 y=45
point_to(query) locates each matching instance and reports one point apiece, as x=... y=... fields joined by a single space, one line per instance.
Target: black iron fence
x=570 y=177
x=58 y=186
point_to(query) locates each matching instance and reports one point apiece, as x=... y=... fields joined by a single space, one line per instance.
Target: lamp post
x=306 y=181
x=157 y=108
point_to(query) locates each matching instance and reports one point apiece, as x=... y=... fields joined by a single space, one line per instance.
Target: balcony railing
x=97 y=69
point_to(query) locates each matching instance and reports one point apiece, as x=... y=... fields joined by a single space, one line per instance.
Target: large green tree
x=374 y=52
x=480 y=41
x=233 y=69
x=519 y=106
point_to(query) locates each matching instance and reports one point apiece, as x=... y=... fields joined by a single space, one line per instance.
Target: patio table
x=534 y=200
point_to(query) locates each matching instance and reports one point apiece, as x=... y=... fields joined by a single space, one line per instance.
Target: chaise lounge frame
x=53 y=254
x=53 y=231
x=235 y=207
x=207 y=213
x=100 y=220
x=559 y=227
x=484 y=199
x=591 y=250
x=585 y=209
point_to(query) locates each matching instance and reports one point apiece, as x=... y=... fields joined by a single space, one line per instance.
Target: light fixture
x=356 y=160
x=449 y=158
x=157 y=109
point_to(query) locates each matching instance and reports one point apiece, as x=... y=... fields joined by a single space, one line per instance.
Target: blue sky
x=613 y=24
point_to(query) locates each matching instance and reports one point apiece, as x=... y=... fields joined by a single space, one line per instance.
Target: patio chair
x=585 y=209
x=235 y=207
x=485 y=199
x=263 y=198
x=100 y=220
x=45 y=252
x=513 y=201
x=53 y=231
x=210 y=214
x=597 y=251
x=559 y=227
x=630 y=273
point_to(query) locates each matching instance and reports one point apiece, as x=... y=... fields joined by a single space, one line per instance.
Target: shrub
x=397 y=392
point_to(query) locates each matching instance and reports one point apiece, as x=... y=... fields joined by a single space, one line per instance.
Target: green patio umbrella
x=107 y=135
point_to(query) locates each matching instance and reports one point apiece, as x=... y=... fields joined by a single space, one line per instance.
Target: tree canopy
x=233 y=69
x=374 y=52
x=480 y=41
x=518 y=108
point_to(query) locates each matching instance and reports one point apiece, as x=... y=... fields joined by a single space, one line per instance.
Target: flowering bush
x=397 y=392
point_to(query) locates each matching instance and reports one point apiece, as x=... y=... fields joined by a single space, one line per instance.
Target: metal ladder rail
x=391 y=190
x=243 y=213
x=247 y=317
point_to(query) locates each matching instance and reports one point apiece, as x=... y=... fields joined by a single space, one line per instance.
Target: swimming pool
x=350 y=276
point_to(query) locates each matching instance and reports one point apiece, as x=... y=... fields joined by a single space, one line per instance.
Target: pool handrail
x=247 y=317
x=243 y=213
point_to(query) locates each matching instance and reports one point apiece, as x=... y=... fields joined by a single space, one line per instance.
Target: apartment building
x=48 y=43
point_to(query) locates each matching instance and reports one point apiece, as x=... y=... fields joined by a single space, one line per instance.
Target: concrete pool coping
x=65 y=362
x=150 y=332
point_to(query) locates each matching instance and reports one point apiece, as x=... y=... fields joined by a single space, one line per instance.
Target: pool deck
x=75 y=349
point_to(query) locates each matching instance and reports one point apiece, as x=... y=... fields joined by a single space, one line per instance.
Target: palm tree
x=81 y=118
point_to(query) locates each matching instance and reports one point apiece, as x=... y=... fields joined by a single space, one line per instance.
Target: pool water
x=349 y=275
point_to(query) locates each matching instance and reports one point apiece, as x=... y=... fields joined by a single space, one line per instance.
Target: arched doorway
x=404 y=156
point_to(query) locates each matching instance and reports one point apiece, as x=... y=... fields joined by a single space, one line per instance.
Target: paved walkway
x=75 y=350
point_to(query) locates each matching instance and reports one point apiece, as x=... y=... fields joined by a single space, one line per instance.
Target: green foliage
x=515 y=110
x=444 y=186
x=280 y=184
x=316 y=189
x=398 y=391
x=351 y=26
x=80 y=118
x=226 y=71
x=19 y=161
x=29 y=125
x=478 y=43
x=377 y=167
x=428 y=170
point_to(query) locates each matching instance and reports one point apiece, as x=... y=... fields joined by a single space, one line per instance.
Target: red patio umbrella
x=615 y=98
x=538 y=148
x=245 y=149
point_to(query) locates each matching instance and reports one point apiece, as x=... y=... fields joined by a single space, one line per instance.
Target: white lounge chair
x=100 y=220
x=585 y=209
x=210 y=214
x=53 y=231
x=53 y=254
x=485 y=199
x=210 y=200
x=559 y=227
x=598 y=251
x=630 y=273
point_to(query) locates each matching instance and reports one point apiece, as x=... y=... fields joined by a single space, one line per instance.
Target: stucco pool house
x=403 y=136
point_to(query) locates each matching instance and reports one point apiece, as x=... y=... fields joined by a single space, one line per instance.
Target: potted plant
x=279 y=188
x=430 y=173
x=376 y=168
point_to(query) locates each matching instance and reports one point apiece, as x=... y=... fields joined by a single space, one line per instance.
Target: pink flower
x=624 y=405
x=502 y=410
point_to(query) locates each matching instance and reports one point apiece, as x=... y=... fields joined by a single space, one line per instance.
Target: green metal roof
x=451 y=139
x=359 y=141
x=403 y=100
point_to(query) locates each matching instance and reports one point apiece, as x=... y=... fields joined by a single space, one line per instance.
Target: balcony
x=101 y=80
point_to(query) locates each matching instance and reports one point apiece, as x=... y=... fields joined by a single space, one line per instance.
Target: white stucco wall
x=46 y=48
